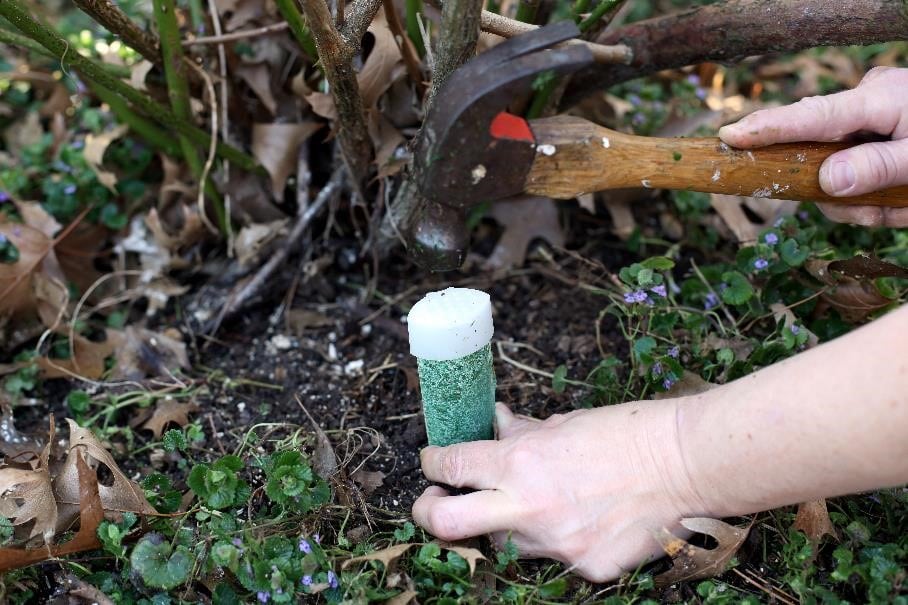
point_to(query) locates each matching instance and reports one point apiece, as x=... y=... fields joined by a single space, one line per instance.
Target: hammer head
x=470 y=150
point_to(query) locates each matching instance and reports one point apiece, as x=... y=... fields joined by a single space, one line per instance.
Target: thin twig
x=357 y=23
x=508 y=28
x=117 y=22
x=460 y=22
x=304 y=220
x=220 y=38
x=411 y=59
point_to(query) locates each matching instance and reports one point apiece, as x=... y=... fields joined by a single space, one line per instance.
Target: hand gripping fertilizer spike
x=450 y=336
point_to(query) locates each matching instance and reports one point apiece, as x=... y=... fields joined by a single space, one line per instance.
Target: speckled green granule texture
x=458 y=397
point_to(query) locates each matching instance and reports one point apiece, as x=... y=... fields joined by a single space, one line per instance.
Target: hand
x=587 y=488
x=879 y=104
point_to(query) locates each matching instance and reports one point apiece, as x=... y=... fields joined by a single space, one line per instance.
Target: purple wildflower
x=305 y=546
x=795 y=328
x=262 y=596
x=701 y=93
x=779 y=222
x=711 y=301
x=237 y=542
x=3 y=240
x=317 y=538
x=760 y=264
x=693 y=79
x=78 y=144
x=803 y=215
x=660 y=290
x=17 y=231
x=669 y=382
x=4 y=197
x=630 y=297
x=638 y=119
x=657 y=369
x=674 y=352
x=307 y=581
x=771 y=238
x=69 y=189
x=637 y=296
x=635 y=100
x=332 y=579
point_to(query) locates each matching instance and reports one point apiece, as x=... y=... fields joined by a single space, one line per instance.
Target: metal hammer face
x=471 y=150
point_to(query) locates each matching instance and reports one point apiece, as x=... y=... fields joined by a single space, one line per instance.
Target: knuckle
x=522 y=456
x=876 y=72
x=820 y=106
x=451 y=466
x=444 y=523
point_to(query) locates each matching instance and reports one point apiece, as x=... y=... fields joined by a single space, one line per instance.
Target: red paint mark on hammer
x=508 y=126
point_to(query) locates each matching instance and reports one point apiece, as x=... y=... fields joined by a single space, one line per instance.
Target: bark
x=733 y=30
x=460 y=21
x=116 y=21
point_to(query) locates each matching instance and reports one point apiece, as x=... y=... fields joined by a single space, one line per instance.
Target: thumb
x=510 y=425
x=865 y=168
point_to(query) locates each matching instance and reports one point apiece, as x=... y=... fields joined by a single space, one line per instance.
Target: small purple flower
x=701 y=93
x=17 y=231
x=771 y=238
x=795 y=328
x=332 y=579
x=669 y=382
x=711 y=301
x=4 y=197
x=317 y=538
x=693 y=79
x=69 y=189
x=305 y=546
x=660 y=290
x=779 y=222
x=307 y=580
x=635 y=100
x=630 y=297
x=78 y=144
x=3 y=240
x=657 y=369
x=262 y=596
x=760 y=264
x=674 y=352
x=237 y=542
x=638 y=119
x=803 y=215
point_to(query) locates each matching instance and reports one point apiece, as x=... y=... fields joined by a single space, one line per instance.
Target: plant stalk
x=14 y=39
x=298 y=26
x=13 y=11
x=117 y=22
x=414 y=9
x=148 y=130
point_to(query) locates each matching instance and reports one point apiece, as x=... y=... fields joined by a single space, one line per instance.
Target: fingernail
x=837 y=178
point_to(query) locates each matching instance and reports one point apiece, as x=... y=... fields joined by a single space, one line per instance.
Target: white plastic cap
x=450 y=324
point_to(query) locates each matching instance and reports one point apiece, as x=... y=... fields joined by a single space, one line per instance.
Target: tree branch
x=336 y=58
x=460 y=24
x=508 y=28
x=358 y=22
x=117 y=22
x=736 y=29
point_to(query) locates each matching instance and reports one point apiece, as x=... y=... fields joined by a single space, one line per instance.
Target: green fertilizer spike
x=450 y=335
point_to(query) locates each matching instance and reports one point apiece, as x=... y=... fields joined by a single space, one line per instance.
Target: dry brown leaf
x=23 y=133
x=91 y=513
x=87 y=360
x=387 y=556
x=16 y=287
x=524 y=219
x=322 y=104
x=95 y=147
x=694 y=563
x=277 y=146
x=855 y=300
x=386 y=139
x=57 y=103
x=404 y=598
x=619 y=208
x=139 y=73
x=731 y=209
x=587 y=201
x=864 y=266
x=258 y=77
x=169 y=411
x=383 y=66
x=471 y=555
x=300 y=320
x=27 y=495
x=814 y=522
x=142 y=353
x=124 y=495
x=369 y=481
x=252 y=239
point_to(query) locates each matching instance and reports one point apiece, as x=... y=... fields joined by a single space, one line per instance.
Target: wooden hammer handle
x=574 y=156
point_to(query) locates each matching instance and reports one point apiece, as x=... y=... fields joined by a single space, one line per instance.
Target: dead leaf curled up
x=691 y=562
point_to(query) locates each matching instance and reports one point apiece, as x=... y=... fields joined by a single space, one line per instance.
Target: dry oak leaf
x=258 y=77
x=167 y=412
x=16 y=287
x=524 y=219
x=95 y=147
x=369 y=481
x=141 y=353
x=471 y=555
x=691 y=562
x=814 y=522
x=855 y=300
x=27 y=495
x=124 y=495
x=387 y=556
x=277 y=146
x=404 y=598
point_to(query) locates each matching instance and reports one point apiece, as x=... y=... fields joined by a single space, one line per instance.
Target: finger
x=510 y=425
x=866 y=216
x=458 y=517
x=472 y=464
x=827 y=118
x=865 y=168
